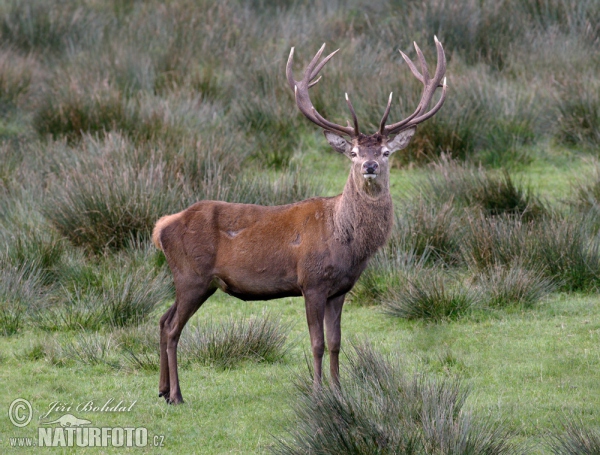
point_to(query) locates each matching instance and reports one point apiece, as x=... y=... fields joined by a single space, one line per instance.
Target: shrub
x=431 y=295
x=379 y=410
x=226 y=344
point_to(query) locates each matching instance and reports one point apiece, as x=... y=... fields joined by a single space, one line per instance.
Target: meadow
x=475 y=330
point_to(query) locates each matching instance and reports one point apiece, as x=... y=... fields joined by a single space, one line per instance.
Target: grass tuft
x=514 y=285
x=468 y=186
x=574 y=439
x=431 y=295
x=20 y=293
x=227 y=344
x=380 y=410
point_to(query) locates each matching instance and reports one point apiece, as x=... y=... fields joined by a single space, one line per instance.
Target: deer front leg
x=315 y=311
x=333 y=319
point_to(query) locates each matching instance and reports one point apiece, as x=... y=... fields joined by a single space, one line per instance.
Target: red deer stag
x=316 y=248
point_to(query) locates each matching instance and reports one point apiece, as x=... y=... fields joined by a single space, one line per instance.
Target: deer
x=315 y=249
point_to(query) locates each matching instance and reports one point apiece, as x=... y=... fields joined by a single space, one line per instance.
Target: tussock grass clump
x=21 y=291
x=139 y=347
x=90 y=349
x=574 y=439
x=70 y=111
x=514 y=285
x=292 y=185
x=429 y=231
x=565 y=248
x=38 y=26
x=380 y=410
x=104 y=209
x=118 y=291
x=432 y=295
x=468 y=186
x=578 y=123
x=387 y=271
x=227 y=344
x=17 y=75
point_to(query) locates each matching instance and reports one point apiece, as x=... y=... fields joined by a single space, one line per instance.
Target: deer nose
x=370 y=167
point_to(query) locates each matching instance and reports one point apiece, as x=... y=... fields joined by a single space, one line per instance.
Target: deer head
x=370 y=153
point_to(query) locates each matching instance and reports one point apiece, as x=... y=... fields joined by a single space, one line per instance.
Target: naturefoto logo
x=69 y=430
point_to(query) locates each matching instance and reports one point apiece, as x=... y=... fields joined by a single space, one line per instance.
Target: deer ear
x=401 y=140
x=340 y=144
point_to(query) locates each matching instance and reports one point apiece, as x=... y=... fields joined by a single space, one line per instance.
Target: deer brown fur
x=316 y=248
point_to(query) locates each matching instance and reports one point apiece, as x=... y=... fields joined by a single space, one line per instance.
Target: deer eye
x=386 y=153
x=353 y=154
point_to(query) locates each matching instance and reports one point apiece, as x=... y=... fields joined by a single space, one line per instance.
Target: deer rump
x=255 y=252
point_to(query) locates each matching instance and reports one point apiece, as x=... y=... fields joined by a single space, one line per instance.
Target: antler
x=301 y=87
x=430 y=85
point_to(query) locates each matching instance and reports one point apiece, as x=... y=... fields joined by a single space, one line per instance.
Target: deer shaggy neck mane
x=361 y=220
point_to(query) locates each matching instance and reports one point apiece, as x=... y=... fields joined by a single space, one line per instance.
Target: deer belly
x=257 y=283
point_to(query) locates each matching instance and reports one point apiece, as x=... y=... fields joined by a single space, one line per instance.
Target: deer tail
x=159 y=227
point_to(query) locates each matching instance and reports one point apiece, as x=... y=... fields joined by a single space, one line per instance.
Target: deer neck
x=363 y=217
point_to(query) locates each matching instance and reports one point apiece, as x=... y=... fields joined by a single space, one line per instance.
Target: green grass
x=527 y=367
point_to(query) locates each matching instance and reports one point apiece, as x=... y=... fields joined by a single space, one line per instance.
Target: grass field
x=476 y=330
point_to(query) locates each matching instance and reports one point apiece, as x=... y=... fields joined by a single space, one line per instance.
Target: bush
x=226 y=344
x=379 y=410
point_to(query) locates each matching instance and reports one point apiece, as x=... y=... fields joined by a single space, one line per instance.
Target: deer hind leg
x=333 y=319
x=163 y=384
x=315 y=311
x=187 y=302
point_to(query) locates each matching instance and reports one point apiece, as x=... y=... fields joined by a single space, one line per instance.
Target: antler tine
x=423 y=63
x=288 y=70
x=308 y=72
x=385 y=115
x=354 y=119
x=303 y=99
x=411 y=65
x=430 y=86
x=432 y=112
x=322 y=64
